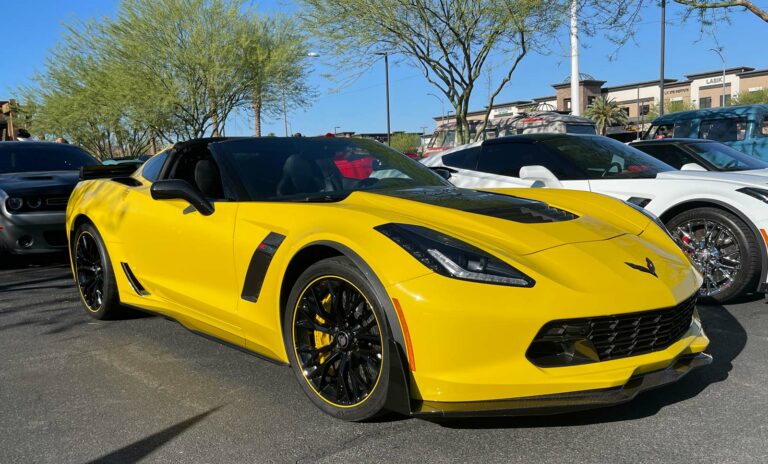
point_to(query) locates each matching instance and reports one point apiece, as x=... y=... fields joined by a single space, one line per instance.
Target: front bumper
x=566 y=402
x=31 y=233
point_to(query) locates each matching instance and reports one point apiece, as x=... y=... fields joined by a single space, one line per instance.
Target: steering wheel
x=614 y=164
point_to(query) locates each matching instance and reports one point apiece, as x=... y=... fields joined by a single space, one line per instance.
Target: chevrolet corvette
x=384 y=287
x=719 y=219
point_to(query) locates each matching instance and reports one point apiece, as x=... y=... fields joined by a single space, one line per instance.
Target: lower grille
x=577 y=341
x=55 y=238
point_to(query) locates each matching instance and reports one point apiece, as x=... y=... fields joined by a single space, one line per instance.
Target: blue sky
x=36 y=25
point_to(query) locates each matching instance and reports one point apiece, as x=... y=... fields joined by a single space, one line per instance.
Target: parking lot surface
x=73 y=389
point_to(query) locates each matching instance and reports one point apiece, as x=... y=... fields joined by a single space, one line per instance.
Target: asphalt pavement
x=75 y=390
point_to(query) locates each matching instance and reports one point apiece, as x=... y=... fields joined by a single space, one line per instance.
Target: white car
x=720 y=219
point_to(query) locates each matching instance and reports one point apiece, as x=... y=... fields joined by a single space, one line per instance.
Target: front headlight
x=451 y=257
x=14 y=203
x=754 y=192
x=652 y=217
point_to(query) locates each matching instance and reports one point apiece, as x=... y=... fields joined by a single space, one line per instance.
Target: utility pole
x=575 y=94
x=661 y=77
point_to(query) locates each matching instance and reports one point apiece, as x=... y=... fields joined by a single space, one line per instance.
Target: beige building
x=637 y=99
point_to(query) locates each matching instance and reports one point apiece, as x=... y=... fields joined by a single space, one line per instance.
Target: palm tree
x=605 y=113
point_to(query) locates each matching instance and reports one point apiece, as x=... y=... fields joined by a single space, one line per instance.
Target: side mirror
x=442 y=171
x=542 y=174
x=692 y=167
x=177 y=189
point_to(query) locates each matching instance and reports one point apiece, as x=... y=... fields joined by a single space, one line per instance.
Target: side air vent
x=259 y=265
x=135 y=284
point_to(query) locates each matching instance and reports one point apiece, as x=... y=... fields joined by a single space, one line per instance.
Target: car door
x=183 y=257
x=503 y=159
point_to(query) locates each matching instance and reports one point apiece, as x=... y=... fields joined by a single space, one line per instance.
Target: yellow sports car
x=383 y=286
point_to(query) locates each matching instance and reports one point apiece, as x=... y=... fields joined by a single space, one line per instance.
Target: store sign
x=714 y=80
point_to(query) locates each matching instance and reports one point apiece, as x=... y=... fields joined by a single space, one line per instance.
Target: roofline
x=753 y=73
x=585 y=81
x=638 y=84
x=735 y=70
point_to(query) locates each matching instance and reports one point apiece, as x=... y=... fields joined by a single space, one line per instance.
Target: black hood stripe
x=491 y=204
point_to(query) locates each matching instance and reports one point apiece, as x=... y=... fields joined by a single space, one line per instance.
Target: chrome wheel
x=715 y=250
x=337 y=341
x=90 y=271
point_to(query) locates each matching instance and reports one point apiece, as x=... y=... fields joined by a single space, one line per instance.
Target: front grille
x=57 y=201
x=613 y=337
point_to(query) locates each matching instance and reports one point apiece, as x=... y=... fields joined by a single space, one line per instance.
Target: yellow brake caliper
x=323 y=339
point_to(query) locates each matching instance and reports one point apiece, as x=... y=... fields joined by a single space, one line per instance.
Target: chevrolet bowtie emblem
x=649 y=267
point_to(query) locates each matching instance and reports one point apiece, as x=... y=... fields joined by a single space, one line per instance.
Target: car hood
x=52 y=182
x=758 y=178
x=509 y=221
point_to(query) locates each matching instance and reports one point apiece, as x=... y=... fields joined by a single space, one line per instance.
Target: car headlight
x=451 y=257
x=754 y=192
x=652 y=217
x=14 y=203
x=34 y=203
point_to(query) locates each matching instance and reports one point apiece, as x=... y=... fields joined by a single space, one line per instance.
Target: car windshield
x=725 y=158
x=604 y=158
x=30 y=157
x=319 y=169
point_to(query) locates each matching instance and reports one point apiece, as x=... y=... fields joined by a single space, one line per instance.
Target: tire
x=348 y=367
x=734 y=245
x=94 y=275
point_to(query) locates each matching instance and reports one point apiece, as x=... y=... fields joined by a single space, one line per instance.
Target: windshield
x=604 y=158
x=30 y=157
x=319 y=169
x=580 y=129
x=725 y=158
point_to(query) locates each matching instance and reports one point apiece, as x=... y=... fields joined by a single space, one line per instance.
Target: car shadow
x=727 y=340
x=140 y=449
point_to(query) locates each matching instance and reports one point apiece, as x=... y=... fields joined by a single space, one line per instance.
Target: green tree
x=450 y=41
x=751 y=98
x=405 y=143
x=606 y=113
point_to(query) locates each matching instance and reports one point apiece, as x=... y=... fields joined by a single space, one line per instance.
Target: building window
x=705 y=102
x=727 y=100
x=567 y=104
x=590 y=100
x=625 y=110
x=645 y=109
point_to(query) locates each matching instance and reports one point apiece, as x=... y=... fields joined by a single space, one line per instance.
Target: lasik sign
x=714 y=80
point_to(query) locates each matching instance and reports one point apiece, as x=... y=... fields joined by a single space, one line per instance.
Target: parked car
x=744 y=128
x=127 y=160
x=36 y=179
x=718 y=218
x=548 y=122
x=396 y=291
x=704 y=155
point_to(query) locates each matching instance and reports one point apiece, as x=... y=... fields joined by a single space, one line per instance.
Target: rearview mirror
x=177 y=189
x=542 y=174
x=442 y=171
x=692 y=167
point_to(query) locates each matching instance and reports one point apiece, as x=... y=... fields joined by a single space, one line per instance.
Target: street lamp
x=442 y=108
x=386 y=81
x=718 y=50
x=335 y=129
x=285 y=109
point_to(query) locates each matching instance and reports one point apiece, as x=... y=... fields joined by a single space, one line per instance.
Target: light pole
x=575 y=91
x=442 y=108
x=285 y=106
x=336 y=129
x=386 y=82
x=718 y=50
x=661 y=77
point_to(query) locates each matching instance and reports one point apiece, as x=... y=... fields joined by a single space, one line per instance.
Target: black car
x=708 y=154
x=36 y=179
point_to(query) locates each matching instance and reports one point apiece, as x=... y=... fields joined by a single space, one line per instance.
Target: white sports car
x=718 y=218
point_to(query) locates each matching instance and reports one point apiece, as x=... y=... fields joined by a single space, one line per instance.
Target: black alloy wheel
x=94 y=275
x=336 y=338
x=90 y=271
x=722 y=247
